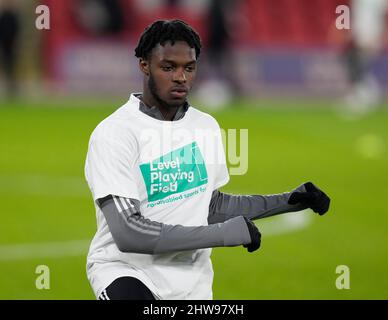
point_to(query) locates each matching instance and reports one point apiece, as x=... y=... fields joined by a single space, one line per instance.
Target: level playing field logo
x=180 y=170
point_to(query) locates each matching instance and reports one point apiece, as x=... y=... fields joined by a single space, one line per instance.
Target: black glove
x=313 y=198
x=255 y=236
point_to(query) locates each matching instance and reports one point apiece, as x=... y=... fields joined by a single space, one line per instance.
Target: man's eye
x=167 y=68
x=190 y=68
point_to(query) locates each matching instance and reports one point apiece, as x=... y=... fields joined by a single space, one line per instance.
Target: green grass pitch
x=44 y=199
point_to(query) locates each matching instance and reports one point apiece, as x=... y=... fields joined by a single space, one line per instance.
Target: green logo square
x=179 y=170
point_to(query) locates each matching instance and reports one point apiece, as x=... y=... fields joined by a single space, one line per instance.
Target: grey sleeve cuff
x=225 y=206
x=132 y=232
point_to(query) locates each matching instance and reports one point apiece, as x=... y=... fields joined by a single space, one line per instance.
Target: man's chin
x=176 y=103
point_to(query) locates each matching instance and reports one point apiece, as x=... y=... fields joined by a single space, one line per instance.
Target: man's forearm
x=132 y=232
x=225 y=206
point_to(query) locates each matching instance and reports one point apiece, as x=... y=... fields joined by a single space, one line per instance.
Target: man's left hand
x=313 y=198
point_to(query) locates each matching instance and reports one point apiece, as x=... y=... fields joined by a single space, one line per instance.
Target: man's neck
x=154 y=112
x=168 y=113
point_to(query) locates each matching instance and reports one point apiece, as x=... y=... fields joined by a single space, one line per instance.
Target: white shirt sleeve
x=109 y=167
x=222 y=173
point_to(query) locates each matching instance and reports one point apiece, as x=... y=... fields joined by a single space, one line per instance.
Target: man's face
x=171 y=71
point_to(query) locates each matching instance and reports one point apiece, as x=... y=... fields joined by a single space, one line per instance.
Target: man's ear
x=144 y=66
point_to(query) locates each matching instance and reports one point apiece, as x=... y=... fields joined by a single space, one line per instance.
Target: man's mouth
x=178 y=92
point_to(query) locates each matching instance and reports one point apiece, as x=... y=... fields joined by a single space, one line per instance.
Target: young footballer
x=154 y=168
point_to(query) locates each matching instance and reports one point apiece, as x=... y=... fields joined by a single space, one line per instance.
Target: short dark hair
x=162 y=31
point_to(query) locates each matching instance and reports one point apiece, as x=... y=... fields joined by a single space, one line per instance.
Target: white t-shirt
x=136 y=156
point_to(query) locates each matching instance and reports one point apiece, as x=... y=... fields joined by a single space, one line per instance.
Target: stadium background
x=290 y=80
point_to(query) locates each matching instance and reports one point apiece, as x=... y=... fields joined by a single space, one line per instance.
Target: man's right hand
x=255 y=236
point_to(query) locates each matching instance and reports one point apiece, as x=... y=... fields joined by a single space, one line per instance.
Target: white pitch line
x=27 y=251
x=286 y=223
x=40 y=185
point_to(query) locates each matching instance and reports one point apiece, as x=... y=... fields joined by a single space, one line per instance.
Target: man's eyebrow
x=174 y=62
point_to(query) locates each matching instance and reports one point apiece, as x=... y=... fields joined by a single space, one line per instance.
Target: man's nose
x=179 y=76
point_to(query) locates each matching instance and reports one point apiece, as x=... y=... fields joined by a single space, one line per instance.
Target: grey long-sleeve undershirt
x=225 y=206
x=132 y=232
